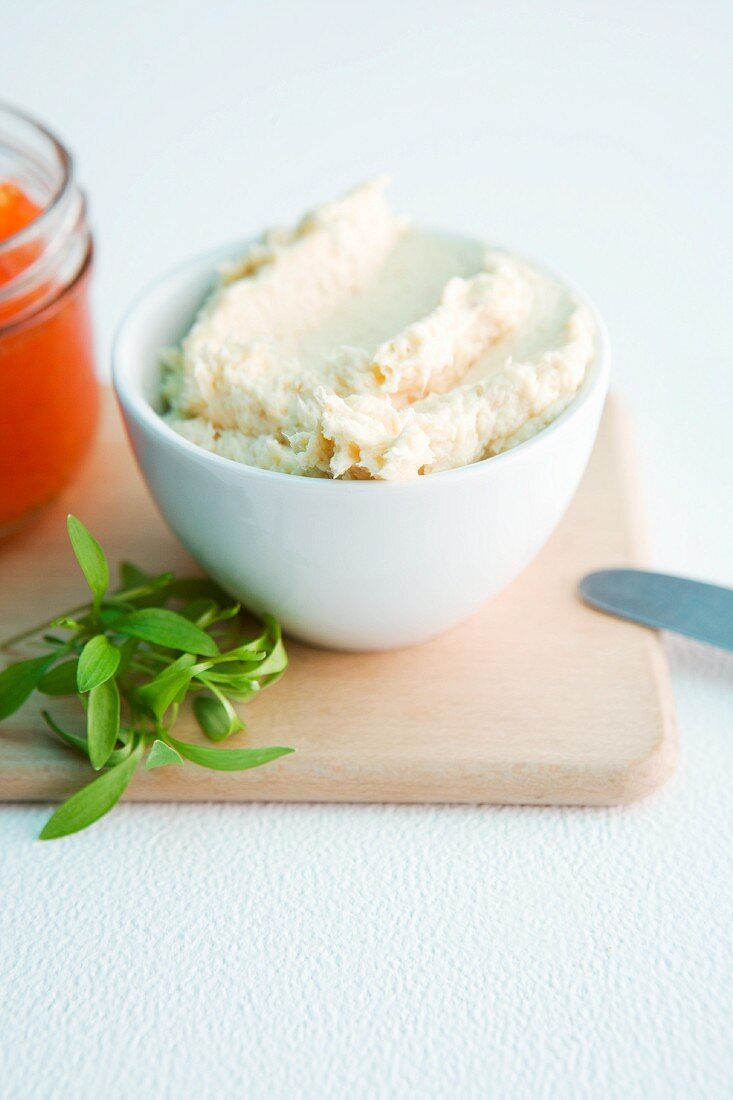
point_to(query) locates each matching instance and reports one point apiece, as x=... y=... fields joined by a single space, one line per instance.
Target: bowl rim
x=134 y=402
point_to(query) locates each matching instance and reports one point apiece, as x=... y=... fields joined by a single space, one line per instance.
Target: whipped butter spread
x=358 y=346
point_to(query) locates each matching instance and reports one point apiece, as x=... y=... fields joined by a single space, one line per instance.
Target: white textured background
x=285 y=952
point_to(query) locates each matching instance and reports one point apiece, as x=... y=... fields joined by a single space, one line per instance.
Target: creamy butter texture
x=356 y=346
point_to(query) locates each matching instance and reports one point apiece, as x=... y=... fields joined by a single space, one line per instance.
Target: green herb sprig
x=132 y=657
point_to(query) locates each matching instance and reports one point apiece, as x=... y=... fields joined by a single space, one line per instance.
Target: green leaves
x=70 y=739
x=132 y=660
x=103 y=722
x=167 y=628
x=93 y=801
x=228 y=760
x=60 y=680
x=276 y=660
x=91 y=558
x=216 y=716
x=99 y=661
x=132 y=575
x=167 y=686
x=19 y=680
x=81 y=745
x=160 y=755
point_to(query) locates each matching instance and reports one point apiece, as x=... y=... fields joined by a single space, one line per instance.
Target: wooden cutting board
x=536 y=699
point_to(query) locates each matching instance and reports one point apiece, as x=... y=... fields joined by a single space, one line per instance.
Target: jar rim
x=66 y=162
x=53 y=246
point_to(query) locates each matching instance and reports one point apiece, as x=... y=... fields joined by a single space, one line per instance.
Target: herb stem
x=8 y=643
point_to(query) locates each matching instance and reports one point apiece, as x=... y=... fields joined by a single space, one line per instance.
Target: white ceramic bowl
x=347 y=564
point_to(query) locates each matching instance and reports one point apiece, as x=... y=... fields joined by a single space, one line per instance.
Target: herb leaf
x=90 y=556
x=98 y=662
x=200 y=609
x=81 y=744
x=227 y=760
x=188 y=588
x=161 y=692
x=103 y=722
x=162 y=754
x=60 y=680
x=18 y=680
x=276 y=662
x=72 y=739
x=167 y=628
x=216 y=716
x=127 y=652
x=93 y=801
x=132 y=575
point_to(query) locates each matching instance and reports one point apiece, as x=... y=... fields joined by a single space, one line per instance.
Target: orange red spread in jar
x=17 y=211
x=48 y=391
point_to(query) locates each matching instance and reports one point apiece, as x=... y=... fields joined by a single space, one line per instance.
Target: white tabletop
x=314 y=951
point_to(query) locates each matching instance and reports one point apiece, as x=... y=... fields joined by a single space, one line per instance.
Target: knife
x=698 y=610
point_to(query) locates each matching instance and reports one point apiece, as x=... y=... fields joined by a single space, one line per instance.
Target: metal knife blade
x=698 y=610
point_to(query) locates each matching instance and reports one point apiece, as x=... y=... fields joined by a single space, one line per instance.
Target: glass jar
x=49 y=394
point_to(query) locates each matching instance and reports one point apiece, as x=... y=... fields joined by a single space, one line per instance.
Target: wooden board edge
x=531 y=784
